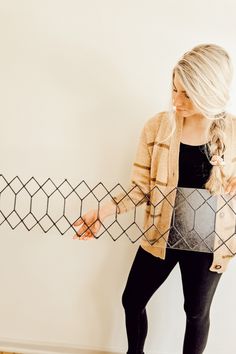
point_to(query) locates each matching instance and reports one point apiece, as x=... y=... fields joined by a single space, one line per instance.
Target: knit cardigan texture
x=154 y=178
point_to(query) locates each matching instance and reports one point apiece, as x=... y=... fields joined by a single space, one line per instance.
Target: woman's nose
x=178 y=99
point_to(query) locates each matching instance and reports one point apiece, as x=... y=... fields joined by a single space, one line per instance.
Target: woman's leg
x=146 y=275
x=199 y=285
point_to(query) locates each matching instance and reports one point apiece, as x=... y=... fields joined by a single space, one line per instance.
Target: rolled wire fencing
x=49 y=205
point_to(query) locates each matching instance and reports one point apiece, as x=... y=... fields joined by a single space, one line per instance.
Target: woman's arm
x=89 y=224
x=138 y=192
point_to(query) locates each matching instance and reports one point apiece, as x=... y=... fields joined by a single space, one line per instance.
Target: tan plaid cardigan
x=155 y=175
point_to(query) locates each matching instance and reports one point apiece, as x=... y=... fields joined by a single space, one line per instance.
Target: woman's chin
x=183 y=112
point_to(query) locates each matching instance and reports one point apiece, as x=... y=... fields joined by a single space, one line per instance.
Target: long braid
x=216 y=146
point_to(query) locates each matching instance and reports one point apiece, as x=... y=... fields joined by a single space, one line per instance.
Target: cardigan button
x=217 y=266
x=222 y=214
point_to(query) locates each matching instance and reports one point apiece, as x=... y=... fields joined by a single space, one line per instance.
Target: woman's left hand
x=231 y=186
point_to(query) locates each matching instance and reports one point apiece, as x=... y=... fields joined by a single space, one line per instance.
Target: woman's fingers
x=78 y=222
x=88 y=225
x=86 y=232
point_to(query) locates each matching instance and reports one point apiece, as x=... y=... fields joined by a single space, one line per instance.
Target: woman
x=170 y=155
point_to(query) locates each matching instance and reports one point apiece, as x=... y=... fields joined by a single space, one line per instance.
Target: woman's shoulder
x=158 y=124
x=161 y=118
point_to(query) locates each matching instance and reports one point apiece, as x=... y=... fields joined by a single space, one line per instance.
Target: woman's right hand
x=91 y=222
x=89 y=225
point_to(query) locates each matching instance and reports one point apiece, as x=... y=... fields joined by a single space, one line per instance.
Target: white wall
x=78 y=79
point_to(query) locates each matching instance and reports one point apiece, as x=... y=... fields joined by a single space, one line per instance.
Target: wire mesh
x=48 y=205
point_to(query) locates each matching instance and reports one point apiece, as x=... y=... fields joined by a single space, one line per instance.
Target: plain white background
x=78 y=79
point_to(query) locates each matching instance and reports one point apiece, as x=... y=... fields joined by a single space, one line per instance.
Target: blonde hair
x=206 y=74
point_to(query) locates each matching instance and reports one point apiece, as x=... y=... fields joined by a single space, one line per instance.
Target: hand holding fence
x=89 y=225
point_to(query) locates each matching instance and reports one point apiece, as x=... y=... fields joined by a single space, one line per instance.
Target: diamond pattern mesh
x=194 y=225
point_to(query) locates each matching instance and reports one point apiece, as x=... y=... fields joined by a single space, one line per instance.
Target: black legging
x=199 y=284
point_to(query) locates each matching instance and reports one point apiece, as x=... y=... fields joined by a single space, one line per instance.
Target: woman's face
x=181 y=100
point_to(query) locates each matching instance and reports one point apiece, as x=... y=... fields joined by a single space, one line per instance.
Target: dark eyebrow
x=176 y=88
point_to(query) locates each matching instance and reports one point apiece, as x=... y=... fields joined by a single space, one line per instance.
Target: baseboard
x=34 y=347
x=31 y=347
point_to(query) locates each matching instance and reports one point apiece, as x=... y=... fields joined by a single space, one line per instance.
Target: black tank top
x=194 y=166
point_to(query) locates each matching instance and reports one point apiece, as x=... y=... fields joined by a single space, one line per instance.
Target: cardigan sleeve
x=138 y=191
